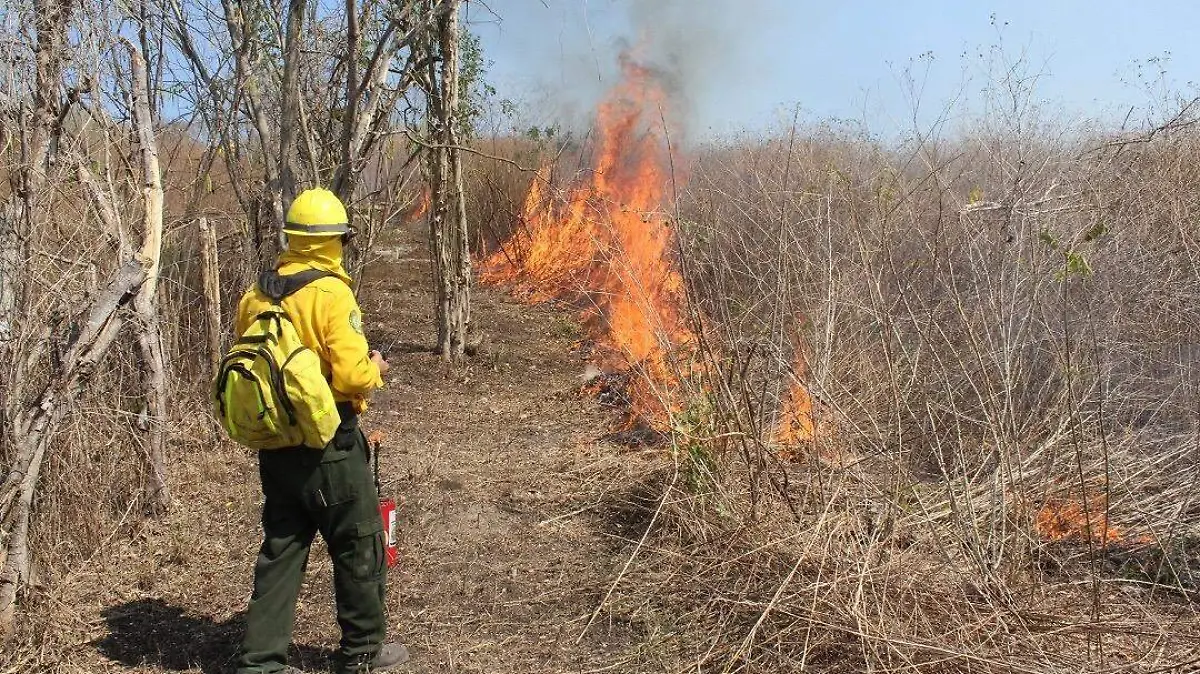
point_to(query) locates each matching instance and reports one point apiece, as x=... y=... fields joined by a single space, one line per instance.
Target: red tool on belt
x=387 y=506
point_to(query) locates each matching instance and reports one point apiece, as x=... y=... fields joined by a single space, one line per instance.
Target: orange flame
x=1066 y=519
x=419 y=208
x=796 y=423
x=796 y=418
x=608 y=245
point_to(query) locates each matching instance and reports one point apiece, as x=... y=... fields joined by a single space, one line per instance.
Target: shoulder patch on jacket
x=356 y=321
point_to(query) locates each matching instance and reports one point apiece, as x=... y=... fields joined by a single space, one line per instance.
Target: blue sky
x=753 y=61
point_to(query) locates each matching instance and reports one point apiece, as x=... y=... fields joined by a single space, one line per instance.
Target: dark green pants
x=331 y=491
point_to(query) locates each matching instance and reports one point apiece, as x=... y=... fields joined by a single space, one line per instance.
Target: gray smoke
x=697 y=47
x=699 y=51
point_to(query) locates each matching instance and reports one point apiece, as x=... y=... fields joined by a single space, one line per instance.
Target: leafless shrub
x=1002 y=325
x=93 y=165
x=1001 y=330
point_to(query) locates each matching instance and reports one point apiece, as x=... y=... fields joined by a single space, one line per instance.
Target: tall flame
x=609 y=244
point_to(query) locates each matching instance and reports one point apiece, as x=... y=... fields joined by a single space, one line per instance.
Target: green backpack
x=269 y=392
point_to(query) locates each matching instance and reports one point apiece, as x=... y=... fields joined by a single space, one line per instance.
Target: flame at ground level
x=796 y=423
x=419 y=208
x=1067 y=519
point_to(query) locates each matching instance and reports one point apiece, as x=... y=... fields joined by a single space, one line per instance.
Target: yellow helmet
x=316 y=212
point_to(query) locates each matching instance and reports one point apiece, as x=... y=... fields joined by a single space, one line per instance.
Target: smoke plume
x=698 y=50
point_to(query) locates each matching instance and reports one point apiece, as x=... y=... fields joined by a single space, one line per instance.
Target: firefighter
x=329 y=490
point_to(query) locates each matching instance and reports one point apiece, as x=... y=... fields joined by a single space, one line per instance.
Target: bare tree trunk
x=439 y=256
x=438 y=174
x=17 y=217
x=264 y=210
x=439 y=247
x=144 y=42
x=50 y=23
x=460 y=255
x=361 y=122
x=344 y=179
x=262 y=236
x=284 y=190
x=211 y=272
x=11 y=271
x=447 y=217
x=16 y=553
x=16 y=224
x=132 y=285
x=146 y=304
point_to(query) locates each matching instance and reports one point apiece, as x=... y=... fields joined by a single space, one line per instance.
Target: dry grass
x=1000 y=332
x=999 y=327
x=993 y=325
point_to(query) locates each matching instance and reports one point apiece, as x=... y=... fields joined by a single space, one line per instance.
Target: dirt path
x=504 y=558
x=500 y=469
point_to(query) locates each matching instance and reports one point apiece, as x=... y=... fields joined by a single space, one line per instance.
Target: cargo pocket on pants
x=369 y=556
x=336 y=485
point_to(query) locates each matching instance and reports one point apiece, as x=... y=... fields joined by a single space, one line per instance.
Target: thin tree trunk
x=459 y=248
x=284 y=190
x=344 y=177
x=17 y=217
x=50 y=23
x=264 y=210
x=16 y=223
x=133 y=285
x=211 y=272
x=11 y=272
x=365 y=121
x=438 y=206
x=438 y=249
x=447 y=218
x=262 y=236
x=360 y=120
x=16 y=553
x=144 y=43
x=146 y=302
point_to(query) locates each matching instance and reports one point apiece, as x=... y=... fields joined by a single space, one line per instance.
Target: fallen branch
x=35 y=426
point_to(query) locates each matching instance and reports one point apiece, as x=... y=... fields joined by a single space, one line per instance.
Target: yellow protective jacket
x=326 y=316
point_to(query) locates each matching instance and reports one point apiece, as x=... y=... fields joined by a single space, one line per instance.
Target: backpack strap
x=277 y=286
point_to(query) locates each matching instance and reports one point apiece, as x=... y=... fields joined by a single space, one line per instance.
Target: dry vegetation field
x=995 y=340
x=807 y=400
